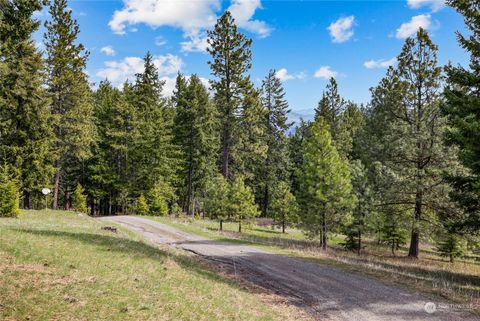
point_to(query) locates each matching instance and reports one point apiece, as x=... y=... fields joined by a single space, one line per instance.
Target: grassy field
x=63 y=266
x=432 y=275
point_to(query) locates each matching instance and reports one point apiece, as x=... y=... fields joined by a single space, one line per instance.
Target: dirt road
x=326 y=293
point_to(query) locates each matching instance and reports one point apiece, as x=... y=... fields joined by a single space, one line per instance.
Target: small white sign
x=46 y=191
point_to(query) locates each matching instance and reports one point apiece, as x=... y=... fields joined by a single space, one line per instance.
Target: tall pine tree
x=231 y=60
x=25 y=132
x=71 y=99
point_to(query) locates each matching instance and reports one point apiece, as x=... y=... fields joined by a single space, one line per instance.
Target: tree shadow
x=134 y=248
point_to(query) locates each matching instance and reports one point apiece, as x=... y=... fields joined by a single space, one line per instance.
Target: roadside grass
x=432 y=275
x=57 y=265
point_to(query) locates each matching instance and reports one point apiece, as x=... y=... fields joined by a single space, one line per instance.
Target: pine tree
x=154 y=157
x=325 y=190
x=277 y=162
x=71 y=98
x=407 y=109
x=463 y=111
x=452 y=246
x=283 y=206
x=364 y=206
x=79 y=200
x=9 y=202
x=242 y=207
x=142 y=205
x=195 y=132
x=107 y=169
x=25 y=132
x=217 y=203
x=330 y=106
x=231 y=57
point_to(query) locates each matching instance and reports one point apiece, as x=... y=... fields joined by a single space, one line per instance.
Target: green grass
x=430 y=274
x=62 y=266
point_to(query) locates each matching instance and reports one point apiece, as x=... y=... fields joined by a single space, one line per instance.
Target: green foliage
x=231 y=60
x=195 y=133
x=157 y=201
x=72 y=104
x=393 y=234
x=452 y=246
x=242 y=207
x=325 y=190
x=9 y=202
x=79 y=199
x=142 y=207
x=283 y=206
x=462 y=109
x=217 y=203
x=25 y=121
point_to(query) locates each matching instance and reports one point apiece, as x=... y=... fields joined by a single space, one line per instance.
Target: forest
x=402 y=169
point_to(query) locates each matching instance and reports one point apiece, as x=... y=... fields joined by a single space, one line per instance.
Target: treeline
x=404 y=166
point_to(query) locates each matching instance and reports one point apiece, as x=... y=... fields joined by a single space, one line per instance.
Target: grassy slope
x=61 y=266
x=431 y=275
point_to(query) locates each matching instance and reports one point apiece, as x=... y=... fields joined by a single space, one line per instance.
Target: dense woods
x=402 y=169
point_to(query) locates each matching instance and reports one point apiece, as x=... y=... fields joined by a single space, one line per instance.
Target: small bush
x=142 y=206
x=9 y=203
x=79 y=199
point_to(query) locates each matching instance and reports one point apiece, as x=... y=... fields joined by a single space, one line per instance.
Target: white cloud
x=325 y=72
x=187 y=15
x=160 y=41
x=370 y=64
x=409 y=28
x=118 y=72
x=108 y=50
x=193 y=17
x=283 y=75
x=435 y=5
x=197 y=42
x=243 y=11
x=342 y=29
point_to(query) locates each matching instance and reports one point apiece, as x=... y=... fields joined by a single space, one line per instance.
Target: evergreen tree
x=325 y=190
x=195 y=132
x=154 y=156
x=71 y=98
x=283 y=206
x=452 y=246
x=79 y=200
x=231 y=57
x=107 y=169
x=8 y=194
x=463 y=111
x=363 y=208
x=277 y=160
x=407 y=106
x=142 y=205
x=242 y=207
x=217 y=203
x=25 y=132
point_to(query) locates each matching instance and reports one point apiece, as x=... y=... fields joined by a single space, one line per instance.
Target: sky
x=306 y=42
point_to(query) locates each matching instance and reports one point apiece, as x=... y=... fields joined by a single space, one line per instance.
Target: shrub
x=9 y=206
x=142 y=205
x=79 y=199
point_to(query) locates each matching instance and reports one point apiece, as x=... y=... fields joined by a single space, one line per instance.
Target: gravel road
x=325 y=292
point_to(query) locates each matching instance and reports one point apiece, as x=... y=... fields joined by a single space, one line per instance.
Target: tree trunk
x=221 y=225
x=26 y=200
x=189 y=191
x=415 y=237
x=240 y=227
x=359 y=242
x=225 y=153
x=324 y=233
x=265 y=201
x=56 y=189
x=283 y=226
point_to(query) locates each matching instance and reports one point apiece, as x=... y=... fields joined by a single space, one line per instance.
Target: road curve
x=326 y=293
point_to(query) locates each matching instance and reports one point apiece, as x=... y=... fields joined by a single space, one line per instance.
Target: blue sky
x=305 y=41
